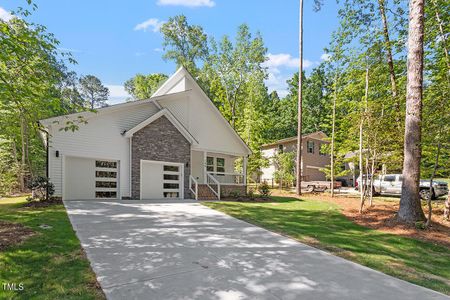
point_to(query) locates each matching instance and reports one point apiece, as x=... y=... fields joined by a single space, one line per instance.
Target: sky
x=114 y=40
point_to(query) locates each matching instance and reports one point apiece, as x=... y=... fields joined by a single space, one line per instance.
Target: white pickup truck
x=391 y=184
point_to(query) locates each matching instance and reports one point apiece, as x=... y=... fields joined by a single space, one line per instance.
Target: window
x=280 y=149
x=106 y=164
x=105 y=174
x=310 y=147
x=171 y=168
x=389 y=178
x=210 y=164
x=220 y=167
x=105 y=194
x=171 y=194
x=170 y=177
x=322 y=150
x=215 y=164
x=171 y=185
x=106 y=184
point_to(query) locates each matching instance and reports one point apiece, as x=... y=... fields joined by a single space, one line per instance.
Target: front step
x=205 y=193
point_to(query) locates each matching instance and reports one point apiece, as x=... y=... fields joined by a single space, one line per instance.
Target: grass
x=322 y=225
x=51 y=264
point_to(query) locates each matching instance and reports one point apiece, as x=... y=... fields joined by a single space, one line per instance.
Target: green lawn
x=51 y=264
x=322 y=225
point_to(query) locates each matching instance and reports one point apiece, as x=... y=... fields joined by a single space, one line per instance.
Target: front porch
x=214 y=175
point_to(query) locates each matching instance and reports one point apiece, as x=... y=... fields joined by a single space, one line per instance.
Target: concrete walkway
x=183 y=250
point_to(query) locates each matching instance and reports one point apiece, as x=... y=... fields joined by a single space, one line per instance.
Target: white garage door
x=161 y=180
x=87 y=178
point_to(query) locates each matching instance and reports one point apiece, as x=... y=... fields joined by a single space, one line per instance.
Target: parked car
x=358 y=180
x=391 y=184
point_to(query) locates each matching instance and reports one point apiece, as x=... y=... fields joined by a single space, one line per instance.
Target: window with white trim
x=215 y=164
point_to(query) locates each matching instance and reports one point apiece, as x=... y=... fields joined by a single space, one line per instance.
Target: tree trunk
x=436 y=163
x=23 y=158
x=361 y=167
x=362 y=187
x=410 y=207
x=372 y=171
x=300 y=84
x=390 y=61
x=447 y=208
x=333 y=130
x=442 y=34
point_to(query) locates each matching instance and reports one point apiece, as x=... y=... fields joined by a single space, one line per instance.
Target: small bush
x=235 y=194
x=38 y=186
x=264 y=190
x=251 y=193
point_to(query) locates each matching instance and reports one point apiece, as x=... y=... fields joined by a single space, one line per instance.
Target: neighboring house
x=174 y=145
x=313 y=156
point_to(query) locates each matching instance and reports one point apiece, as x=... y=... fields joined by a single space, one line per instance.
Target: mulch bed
x=13 y=233
x=45 y=203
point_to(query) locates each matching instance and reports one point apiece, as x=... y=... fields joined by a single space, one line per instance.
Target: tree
x=184 y=44
x=93 y=91
x=233 y=67
x=410 y=207
x=285 y=168
x=143 y=86
x=31 y=72
x=317 y=6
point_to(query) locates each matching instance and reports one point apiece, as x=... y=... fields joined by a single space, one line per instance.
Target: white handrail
x=209 y=176
x=226 y=173
x=194 y=191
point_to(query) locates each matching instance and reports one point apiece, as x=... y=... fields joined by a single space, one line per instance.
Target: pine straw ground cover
x=323 y=224
x=50 y=263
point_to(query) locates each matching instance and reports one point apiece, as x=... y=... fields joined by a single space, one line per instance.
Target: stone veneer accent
x=161 y=141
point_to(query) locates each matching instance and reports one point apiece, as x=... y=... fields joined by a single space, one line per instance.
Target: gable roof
x=163 y=112
x=183 y=72
x=108 y=109
x=318 y=135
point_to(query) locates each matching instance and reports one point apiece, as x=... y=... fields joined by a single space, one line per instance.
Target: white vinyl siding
x=199 y=116
x=100 y=138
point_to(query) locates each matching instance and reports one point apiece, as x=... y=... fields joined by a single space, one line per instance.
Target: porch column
x=204 y=167
x=244 y=169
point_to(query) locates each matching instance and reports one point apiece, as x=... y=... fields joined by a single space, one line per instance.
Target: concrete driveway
x=183 y=250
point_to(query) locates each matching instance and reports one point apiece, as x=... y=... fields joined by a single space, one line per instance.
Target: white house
x=174 y=145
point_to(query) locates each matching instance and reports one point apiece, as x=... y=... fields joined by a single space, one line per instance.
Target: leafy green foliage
x=285 y=168
x=264 y=190
x=183 y=43
x=143 y=86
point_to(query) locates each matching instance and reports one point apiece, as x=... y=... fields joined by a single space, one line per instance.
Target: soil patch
x=382 y=216
x=13 y=233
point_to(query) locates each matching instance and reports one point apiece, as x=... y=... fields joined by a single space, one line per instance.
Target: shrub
x=251 y=193
x=38 y=186
x=264 y=190
x=235 y=194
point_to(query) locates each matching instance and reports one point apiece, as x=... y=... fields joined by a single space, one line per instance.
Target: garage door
x=161 y=180
x=87 y=178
